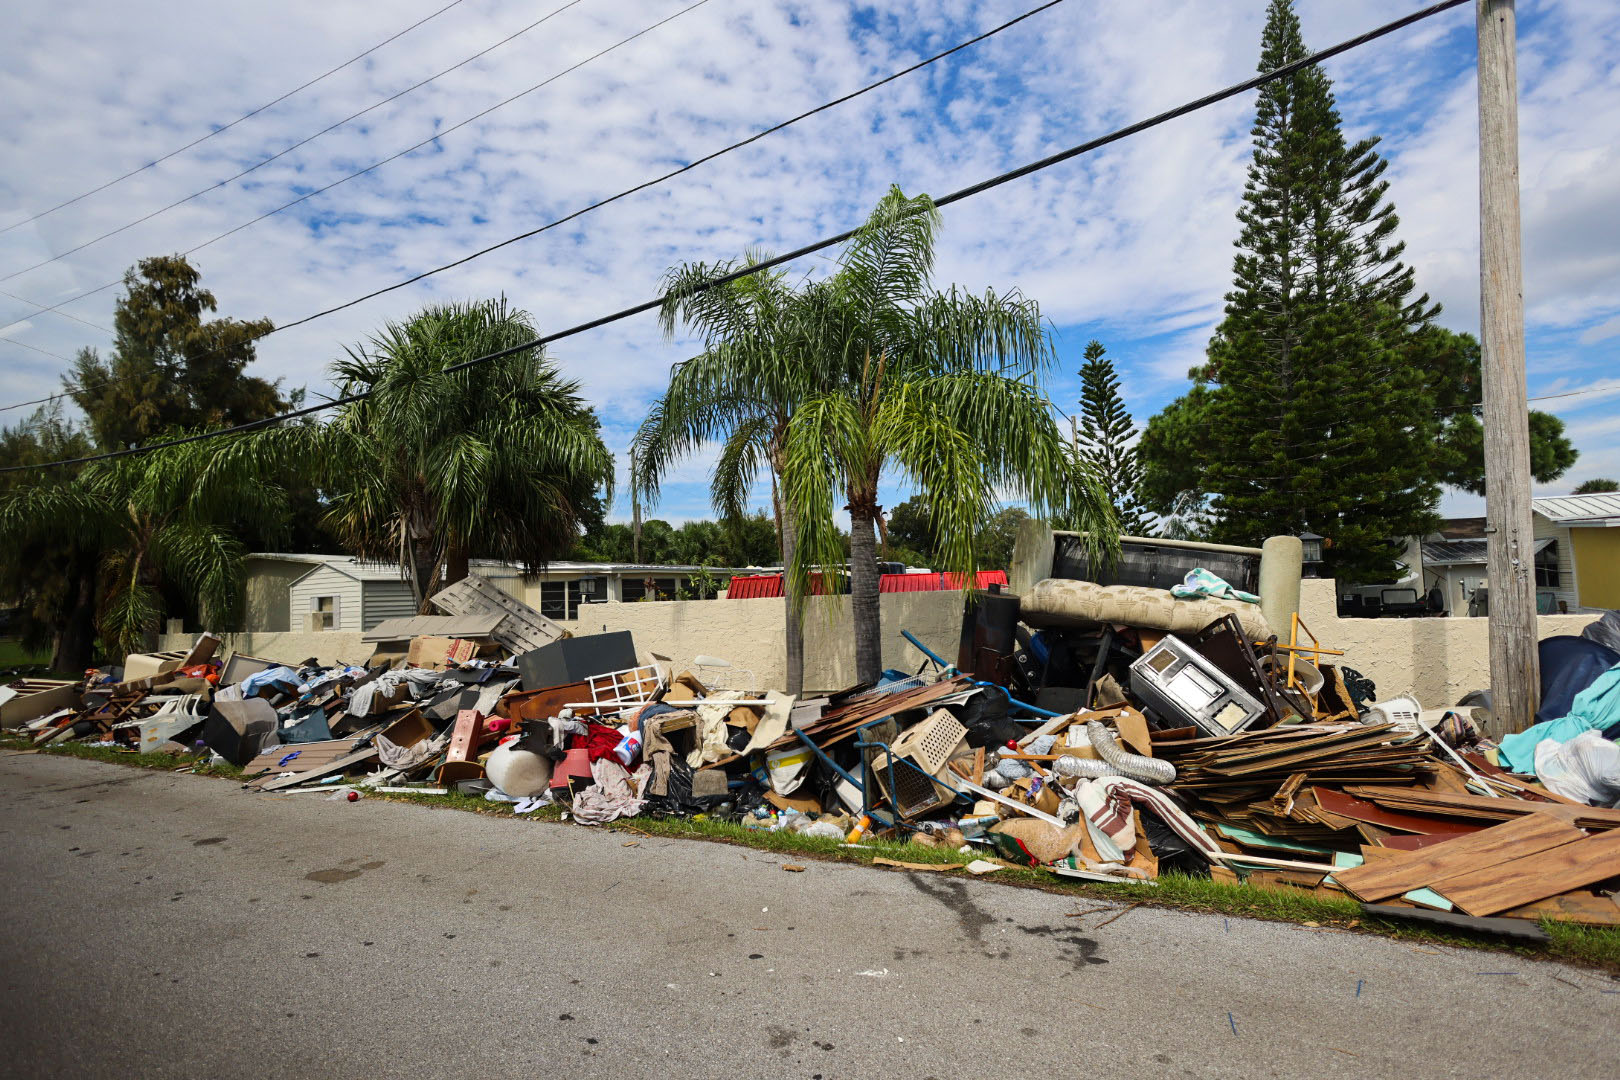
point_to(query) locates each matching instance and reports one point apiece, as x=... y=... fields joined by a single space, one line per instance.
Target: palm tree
x=171 y=517
x=740 y=391
x=439 y=463
x=943 y=386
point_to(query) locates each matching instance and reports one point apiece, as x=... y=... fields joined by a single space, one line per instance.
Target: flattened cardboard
x=685 y=687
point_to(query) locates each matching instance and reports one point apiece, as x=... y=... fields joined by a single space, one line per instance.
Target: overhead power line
x=245 y=116
x=35 y=348
x=808 y=249
x=284 y=151
x=41 y=309
x=408 y=150
x=639 y=187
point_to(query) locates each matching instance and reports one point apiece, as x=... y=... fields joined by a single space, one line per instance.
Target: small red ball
x=354 y=796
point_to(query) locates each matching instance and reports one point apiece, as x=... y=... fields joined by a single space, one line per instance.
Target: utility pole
x=635 y=511
x=1515 y=666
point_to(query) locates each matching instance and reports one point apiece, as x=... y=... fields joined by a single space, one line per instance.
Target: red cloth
x=599 y=740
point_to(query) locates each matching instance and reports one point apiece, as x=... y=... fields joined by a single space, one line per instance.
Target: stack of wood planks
x=1372 y=812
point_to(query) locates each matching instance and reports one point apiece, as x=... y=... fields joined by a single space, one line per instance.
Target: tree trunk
x=75 y=643
x=455 y=565
x=794 y=635
x=863 y=588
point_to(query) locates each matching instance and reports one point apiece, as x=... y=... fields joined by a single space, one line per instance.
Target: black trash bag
x=1175 y=855
x=679 y=798
x=1606 y=631
x=985 y=717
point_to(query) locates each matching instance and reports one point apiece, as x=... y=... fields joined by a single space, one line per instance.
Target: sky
x=1131 y=245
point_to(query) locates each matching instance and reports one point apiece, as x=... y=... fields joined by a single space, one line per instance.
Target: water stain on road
x=208 y=840
x=1074 y=947
x=954 y=894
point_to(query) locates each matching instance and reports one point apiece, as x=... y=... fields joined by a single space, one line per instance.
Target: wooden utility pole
x=1509 y=532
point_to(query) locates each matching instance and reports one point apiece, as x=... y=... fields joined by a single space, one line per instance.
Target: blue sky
x=1131 y=245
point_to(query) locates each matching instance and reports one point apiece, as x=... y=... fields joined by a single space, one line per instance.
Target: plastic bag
x=1586 y=768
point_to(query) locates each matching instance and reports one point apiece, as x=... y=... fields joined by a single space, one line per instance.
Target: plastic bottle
x=859 y=830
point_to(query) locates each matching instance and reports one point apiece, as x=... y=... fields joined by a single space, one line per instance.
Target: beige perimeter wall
x=1436 y=660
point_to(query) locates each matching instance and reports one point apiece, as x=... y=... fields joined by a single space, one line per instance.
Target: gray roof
x=1464 y=552
x=360 y=571
x=1603 y=509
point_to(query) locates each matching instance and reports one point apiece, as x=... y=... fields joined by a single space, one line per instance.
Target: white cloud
x=1132 y=244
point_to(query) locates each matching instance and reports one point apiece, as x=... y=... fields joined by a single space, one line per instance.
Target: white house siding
x=326 y=581
x=385 y=600
x=1566 y=590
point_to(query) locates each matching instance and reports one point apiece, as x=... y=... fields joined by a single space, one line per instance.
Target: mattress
x=1067 y=602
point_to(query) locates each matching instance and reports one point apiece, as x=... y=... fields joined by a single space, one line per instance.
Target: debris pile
x=1099 y=731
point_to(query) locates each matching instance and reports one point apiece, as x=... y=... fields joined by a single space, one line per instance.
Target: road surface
x=161 y=925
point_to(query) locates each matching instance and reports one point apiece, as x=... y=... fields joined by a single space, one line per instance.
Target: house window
x=1547 y=567
x=561 y=599
x=554 y=599
x=323 y=613
x=649 y=588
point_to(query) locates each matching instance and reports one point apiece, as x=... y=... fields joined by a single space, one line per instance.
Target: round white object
x=520 y=773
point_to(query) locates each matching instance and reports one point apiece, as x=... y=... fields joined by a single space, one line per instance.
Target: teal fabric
x=1596 y=708
x=1200 y=583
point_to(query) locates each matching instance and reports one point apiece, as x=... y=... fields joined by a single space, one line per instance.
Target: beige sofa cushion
x=1066 y=602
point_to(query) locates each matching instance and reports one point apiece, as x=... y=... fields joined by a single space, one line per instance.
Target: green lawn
x=12 y=655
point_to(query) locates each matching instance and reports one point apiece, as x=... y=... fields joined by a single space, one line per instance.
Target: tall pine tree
x=1317 y=415
x=1105 y=436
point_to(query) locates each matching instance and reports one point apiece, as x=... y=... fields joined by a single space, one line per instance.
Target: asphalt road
x=161 y=925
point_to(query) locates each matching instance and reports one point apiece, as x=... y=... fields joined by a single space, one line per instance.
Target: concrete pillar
x=1282 y=562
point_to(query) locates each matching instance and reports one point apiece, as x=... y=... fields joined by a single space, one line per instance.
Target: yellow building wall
x=1597 y=566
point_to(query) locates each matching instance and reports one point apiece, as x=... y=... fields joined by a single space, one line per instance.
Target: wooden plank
x=1582 y=907
x=1464 y=854
x=1534 y=877
x=1439 y=802
x=1357 y=809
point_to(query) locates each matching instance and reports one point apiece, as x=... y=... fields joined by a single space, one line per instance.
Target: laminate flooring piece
x=1534 y=877
x=1464 y=854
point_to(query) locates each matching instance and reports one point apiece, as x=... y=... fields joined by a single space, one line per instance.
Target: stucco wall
x=749 y=633
x=1436 y=660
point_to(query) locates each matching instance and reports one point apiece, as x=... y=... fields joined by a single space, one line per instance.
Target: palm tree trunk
x=863 y=587
x=794 y=632
x=455 y=565
x=75 y=643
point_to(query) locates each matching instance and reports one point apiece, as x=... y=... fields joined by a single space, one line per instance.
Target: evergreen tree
x=169 y=368
x=1318 y=414
x=1104 y=437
